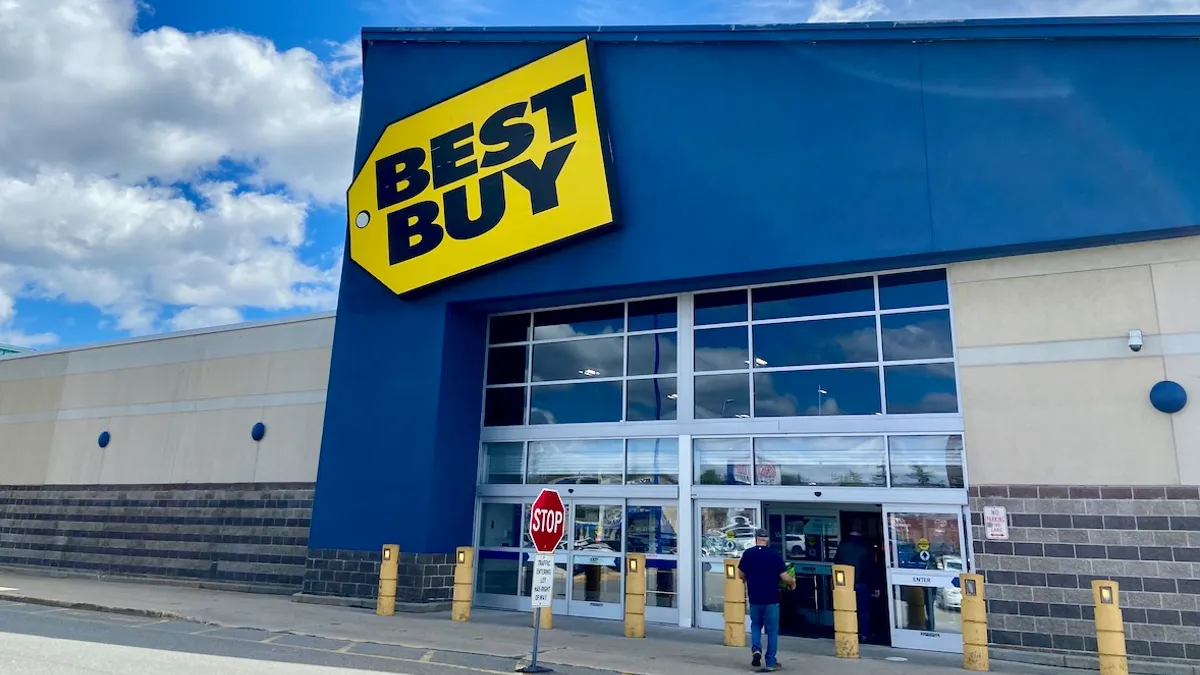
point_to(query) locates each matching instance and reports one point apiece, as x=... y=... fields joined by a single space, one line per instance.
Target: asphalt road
x=49 y=641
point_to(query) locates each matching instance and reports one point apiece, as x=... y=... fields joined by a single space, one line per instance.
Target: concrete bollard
x=735 y=606
x=389 y=565
x=1110 y=628
x=974 y=623
x=845 y=613
x=464 y=584
x=635 y=596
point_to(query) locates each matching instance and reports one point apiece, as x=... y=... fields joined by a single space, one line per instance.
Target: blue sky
x=192 y=173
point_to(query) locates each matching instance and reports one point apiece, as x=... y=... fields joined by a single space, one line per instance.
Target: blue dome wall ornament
x=104 y=439
x=258 y=431
x=1168 y=397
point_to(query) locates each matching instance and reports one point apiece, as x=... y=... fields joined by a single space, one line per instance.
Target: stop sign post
x=547 y=526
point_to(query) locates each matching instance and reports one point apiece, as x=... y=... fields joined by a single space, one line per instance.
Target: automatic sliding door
x=723 y=531
x=925 y=557
x=597 y=570
x=652 y=529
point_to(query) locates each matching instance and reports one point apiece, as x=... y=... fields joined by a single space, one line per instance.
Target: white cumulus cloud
x=143 y=170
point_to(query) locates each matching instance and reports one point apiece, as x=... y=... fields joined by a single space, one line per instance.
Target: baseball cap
x=760 y=534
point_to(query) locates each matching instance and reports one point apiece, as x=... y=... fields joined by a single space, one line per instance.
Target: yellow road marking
x=346 y=649
x=428 y=656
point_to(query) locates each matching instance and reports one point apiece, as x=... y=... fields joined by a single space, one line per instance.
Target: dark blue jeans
x=765 y=617
x=862 y=594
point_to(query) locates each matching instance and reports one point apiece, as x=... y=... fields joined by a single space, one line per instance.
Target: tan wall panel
x=1074 y=423
x=1072 y=306
x=299 y=370
x=143 y=449
x=1079 y=260
x=1186 y=371
x=1177 y=292
x=19 y=397
x=235 y=376
x=75 y=456
x=25 y=452
x=215 y=447
x=292 y=446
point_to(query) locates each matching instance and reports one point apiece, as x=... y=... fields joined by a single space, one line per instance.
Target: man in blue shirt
x=762 y=568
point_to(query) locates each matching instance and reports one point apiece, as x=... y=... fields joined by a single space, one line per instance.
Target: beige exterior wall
x=179 y=408
x=1051 y=392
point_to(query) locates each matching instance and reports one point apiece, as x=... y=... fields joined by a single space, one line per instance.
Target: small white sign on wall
x=995 y=523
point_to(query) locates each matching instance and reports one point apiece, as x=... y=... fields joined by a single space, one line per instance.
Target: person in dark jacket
x=762 y=568
x=856 y=552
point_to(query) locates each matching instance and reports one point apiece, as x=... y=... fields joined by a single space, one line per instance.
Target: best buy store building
x=807 y=278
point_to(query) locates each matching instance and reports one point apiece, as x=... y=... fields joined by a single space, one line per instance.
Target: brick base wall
x=1061 y=538
x=249 y=536
x=422 y=577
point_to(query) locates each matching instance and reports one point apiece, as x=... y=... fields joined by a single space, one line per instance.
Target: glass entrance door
x=723 y=531
x=925 y=547
x=596 y=562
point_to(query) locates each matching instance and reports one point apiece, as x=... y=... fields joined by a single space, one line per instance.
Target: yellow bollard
x=1110 y=628
x=635 y=596
x=385 y=603
x=974 y=623
x=464 y=584
x=735 y=606
x=845 y=613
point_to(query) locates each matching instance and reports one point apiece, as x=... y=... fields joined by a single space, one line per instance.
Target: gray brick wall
x=250 y=536
x=421 y=577
x=1063 y=537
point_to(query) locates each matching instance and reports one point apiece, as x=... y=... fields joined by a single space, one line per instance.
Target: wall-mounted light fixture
x=105 y=439
x=258 y=431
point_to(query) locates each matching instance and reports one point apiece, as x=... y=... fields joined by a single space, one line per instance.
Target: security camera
x=1135 y=340
x=816 y=494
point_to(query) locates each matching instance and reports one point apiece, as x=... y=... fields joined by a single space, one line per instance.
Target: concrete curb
x=92 y=607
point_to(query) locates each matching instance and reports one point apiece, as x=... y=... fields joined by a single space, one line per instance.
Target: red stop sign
x=547 y=521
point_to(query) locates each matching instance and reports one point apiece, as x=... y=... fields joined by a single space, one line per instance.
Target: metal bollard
x=385 y=602
x=464 y=584
x=635 y=596
x=735 y=606
x=974 y=623
x=1110 y=628
x=845 y=613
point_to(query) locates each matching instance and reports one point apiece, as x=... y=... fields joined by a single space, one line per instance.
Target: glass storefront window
x=802 y=393
x=926 y=541
x=576 y=321
x=650 y=399
x=927 y=461
x=722 y=349
x=720 y=307
x=498 y=572
x=852 y=461
x=504 y=407
x=913 y=336
x=502 y=463
x=508 y=328
x=499 y=525
x=816 y=343
x=722 y=396
x=599 y=528
x=651 y=354
x=814 y=298
x=652 y=530
x=921 y=389
x=722 y=461
x=594 y=462
x=652 y=461
x=726 y=531
x=575 y=403
x=653 y=314
x=506 y=365
x=927 y=288
x=577 y=359
x=661 y=589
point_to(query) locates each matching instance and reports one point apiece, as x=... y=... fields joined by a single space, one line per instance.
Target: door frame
x=930 y=579
x=655 y=614
x=706 y=619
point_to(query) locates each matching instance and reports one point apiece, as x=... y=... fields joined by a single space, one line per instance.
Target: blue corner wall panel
x=747 y=156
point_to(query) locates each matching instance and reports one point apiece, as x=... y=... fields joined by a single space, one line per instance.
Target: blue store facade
x=728 y=353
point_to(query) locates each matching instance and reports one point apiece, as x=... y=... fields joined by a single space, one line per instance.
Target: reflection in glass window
x=722 y=461
x=502 y=463
x=578 y=403
x=576 y=321
x=818 y=298
x=599 y=528
x=652 y=530
x=508 y=328
x=650 y=399
x=722 y=307
x=661 y=589
x=504 y=407
x=722 y=396
x=936 y=533
x=926 y=288
x=927 y=461
x=582 y=462
x=498 y=572
x=921 y=389
x=858 y=461
x=800 y=393
x=499 y=525
x=653 y=314
x=651 y=354
x=916 y=335
x=722 y=349
x=652 y=461
x=506 y=365
x=577 y=359
x=816 y=343
x=726 y=531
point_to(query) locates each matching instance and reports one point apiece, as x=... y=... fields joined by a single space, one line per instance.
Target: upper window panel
x=653 y=314
x=814 y=343
x=508 y=328
x=578 y=359
x=926 y=288
x=910 y=336
x=577 y=321
x=722 y=307
x=840 y=296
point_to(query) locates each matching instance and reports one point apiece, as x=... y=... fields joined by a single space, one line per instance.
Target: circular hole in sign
x=104 y=439
x=362 y=219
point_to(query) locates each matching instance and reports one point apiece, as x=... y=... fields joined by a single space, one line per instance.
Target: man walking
x=762 y=568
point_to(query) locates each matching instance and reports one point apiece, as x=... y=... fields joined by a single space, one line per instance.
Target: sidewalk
x=578 y=642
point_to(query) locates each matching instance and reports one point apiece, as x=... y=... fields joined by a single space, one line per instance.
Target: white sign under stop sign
x=542 y=593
